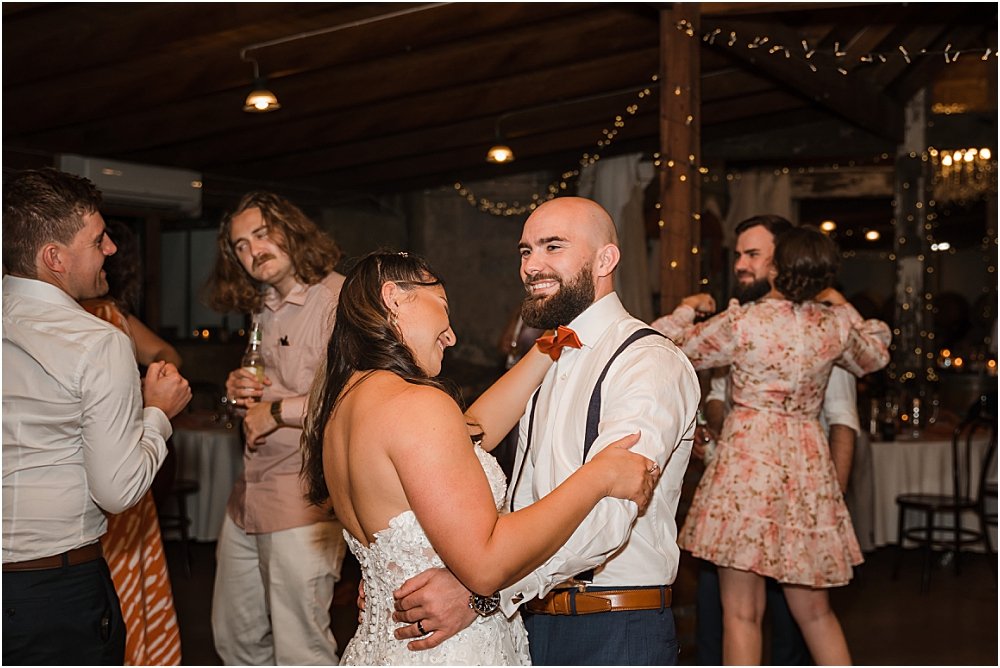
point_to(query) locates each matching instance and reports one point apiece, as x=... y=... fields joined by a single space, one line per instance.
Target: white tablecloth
x=213 y=456
x=903 y=467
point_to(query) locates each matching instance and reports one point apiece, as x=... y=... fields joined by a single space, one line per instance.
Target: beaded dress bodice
x=401 y=551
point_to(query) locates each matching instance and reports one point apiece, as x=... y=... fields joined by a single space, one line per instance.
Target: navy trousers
x=630 y=638
x=788 y=648
x=62 y=616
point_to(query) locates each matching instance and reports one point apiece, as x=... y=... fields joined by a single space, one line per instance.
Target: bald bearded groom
x=604 y=597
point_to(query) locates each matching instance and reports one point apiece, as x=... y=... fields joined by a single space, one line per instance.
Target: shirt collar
x=297 y=296
x=36 y=289
x=596 y=319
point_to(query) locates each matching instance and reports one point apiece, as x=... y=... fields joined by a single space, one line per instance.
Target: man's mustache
x=541 y=277
x=261 y=259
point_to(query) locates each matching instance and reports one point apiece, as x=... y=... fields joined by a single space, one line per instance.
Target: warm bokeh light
x=828 y=226
x=872 y=235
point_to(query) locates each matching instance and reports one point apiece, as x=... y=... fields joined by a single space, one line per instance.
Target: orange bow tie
x=552 y=344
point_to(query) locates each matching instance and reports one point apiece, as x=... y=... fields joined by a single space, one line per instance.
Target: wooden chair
x=936 y=508
x=987 y=491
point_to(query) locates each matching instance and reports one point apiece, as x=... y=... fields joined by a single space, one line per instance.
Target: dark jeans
x=635 y=638
x=62 y=616
x=788 y=648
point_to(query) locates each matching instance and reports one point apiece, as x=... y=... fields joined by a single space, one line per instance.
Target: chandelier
x=963 y=175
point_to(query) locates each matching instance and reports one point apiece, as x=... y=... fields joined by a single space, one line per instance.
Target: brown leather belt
x=586 y=602
x=80 y=555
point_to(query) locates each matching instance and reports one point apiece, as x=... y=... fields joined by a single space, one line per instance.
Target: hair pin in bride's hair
x=403 y=254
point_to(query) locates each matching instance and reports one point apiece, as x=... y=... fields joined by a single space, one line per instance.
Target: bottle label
x=257 y=371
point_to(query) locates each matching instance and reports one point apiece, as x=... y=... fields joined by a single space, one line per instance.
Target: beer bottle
x=253 y=358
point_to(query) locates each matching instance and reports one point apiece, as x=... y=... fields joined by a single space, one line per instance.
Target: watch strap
x=276 y=412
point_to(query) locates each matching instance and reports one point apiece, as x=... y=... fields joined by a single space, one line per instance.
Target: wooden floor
x=886 y=621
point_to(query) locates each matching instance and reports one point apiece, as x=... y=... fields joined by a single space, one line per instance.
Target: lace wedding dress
x=401 y=551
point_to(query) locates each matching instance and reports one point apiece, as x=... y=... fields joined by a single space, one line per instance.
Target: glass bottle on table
x=253 y=358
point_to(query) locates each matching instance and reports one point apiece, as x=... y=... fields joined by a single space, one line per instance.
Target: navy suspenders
x=593 y=410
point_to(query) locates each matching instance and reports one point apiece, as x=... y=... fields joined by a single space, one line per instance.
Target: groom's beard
x=572 y=299
x=751 y=292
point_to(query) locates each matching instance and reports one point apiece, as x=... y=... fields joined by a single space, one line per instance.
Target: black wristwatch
x=485 y=605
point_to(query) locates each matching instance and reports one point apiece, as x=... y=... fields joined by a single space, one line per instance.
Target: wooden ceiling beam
x=913 y=40
x=851 y=98
x=205 y=70
x=444 y=167
x=429 y=72
x=410 y=113
x=420 y=114
x=581 y=120
x=81 y=39
x=750 y=106
x=923 y=70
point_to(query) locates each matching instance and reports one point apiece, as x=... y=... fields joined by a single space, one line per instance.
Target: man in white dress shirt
x=81 y=434
x=604 y=597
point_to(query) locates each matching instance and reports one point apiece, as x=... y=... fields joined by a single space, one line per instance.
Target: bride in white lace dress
x=390 y=447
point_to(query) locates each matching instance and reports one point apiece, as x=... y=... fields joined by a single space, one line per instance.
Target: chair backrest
x=979 y=420
x=988 y=412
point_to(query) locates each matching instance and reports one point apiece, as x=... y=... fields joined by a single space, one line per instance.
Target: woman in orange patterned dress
x=132 y=545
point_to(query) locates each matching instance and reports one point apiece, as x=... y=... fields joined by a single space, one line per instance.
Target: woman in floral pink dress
x=769 y=503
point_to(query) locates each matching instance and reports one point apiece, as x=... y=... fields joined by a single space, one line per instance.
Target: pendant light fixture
x=260 y=100
x=500 y=153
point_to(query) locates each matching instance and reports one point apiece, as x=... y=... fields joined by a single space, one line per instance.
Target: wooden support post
x=910 y=342
x=680 y=153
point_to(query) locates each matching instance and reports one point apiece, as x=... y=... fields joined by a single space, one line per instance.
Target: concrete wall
x=476 y=253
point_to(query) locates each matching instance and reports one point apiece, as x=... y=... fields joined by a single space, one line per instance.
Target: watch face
x=485 y=605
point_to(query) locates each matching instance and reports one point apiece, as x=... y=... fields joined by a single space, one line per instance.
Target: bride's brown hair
x=363 y=339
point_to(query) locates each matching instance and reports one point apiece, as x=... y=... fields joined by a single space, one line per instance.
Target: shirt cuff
x=293 y=409
x=155 y=417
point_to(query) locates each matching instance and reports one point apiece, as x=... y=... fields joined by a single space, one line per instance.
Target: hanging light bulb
x=500 y=153
x=260 y=100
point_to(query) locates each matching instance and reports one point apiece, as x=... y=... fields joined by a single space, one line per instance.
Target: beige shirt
x=270 y=495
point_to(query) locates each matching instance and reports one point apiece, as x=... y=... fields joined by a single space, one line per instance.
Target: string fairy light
x=686 y=167
x=871 y=58
x=516 y=208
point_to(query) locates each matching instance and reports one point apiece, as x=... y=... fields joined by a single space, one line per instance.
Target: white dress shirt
x=76 y=438
x=651 y=387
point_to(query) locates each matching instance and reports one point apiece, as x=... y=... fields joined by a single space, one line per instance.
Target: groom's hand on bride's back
x=437 y=600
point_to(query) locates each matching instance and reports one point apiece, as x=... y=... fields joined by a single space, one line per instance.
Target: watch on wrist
x=485 y=605
x=276 y=412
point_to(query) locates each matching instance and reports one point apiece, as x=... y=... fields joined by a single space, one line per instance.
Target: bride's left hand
x=437 y=600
